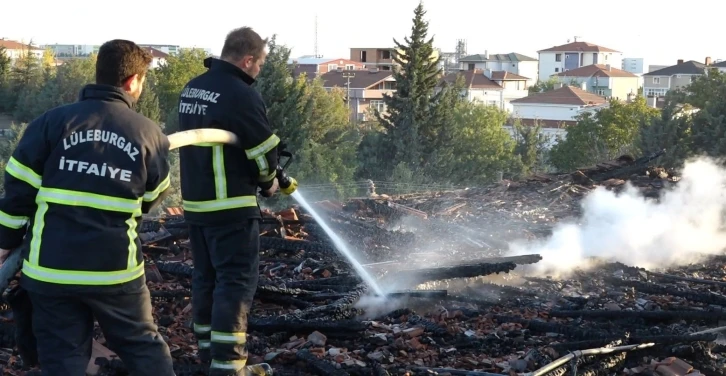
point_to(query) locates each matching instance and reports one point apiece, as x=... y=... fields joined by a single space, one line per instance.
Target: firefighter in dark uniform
x=79 y=179
x=219 y=191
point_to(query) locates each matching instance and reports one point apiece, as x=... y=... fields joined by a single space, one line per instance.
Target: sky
x=637 y=28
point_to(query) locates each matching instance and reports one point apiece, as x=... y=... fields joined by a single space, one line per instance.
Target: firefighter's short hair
x=243 y=42
x=120 y=59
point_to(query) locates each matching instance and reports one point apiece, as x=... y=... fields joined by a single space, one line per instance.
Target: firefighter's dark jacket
x=79 y=179
x=219 y=182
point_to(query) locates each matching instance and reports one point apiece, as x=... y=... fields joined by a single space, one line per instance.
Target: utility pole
x=348 y=75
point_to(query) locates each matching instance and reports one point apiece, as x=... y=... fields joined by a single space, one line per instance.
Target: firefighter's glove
x=19 y=302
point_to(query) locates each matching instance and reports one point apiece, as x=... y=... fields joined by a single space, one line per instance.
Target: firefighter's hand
x=271 y=191
x=4 y=253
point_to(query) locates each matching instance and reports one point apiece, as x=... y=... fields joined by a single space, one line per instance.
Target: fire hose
x=288 y=185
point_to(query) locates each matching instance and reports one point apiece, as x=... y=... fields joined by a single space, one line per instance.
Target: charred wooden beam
x=428 y=294
x=658 y=340
x=337 y=307
x=268 y=242
x=448 y=272
x=652 y=288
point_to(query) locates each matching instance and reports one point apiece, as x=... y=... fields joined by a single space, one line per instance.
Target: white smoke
x=686 y=224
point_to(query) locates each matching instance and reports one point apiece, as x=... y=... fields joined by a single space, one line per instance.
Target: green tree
x=148 y=104
x=8 y=142
x=408 y=127
x=531 y=147
x=171 y=78
x=542 y=86
x=483 y=148
x=605 y=134
x=6 y=95
x=311 y=121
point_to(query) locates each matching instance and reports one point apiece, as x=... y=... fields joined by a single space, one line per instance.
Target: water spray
x=288 y=186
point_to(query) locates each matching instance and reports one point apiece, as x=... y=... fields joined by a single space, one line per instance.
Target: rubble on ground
x=459 y=307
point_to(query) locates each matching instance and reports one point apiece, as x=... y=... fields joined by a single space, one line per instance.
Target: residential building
x=635 y=65
x=493 y=88
x=603 y=80
x=72 y=50
x=556 y=109
x=659 y=82
x=720 y=65
x=168 y=48
x=512 y=62
x=381 y=58
x=364 y=89
x=15 y=50
x=314 y=66
x=572 y=56
x=158 y=58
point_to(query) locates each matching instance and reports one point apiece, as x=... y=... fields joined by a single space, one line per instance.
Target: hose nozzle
x=288 y=184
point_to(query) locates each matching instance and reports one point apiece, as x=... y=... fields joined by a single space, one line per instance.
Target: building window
x=378 y=105
x=601 y=92
x=363 y=56
x=558 y=57
x=649 y=92
x=349 y=67
x=656 y=80
x=332 y=67
x=386 y=54
x=557 y=70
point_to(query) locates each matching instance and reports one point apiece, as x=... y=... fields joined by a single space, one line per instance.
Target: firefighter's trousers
x=63 y=325
x=226 y=260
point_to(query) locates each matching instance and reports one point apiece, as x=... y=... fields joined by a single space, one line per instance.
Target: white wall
x=528 y=69
x=545 y=111
x=488 y=97
x=548 y=66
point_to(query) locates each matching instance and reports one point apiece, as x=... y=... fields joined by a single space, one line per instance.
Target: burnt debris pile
x=455 y=304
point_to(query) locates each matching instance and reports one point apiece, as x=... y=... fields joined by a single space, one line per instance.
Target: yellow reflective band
x=23 y=172
x=220 y=178
x=163 y=185
x=228 y=364
x=262 y=148
x=38 y=225
x=204 y=344
x=262 y=165
x=265 y=179
x=90 y=200
x=81 y=277
x=223 y=204
x=198 y=328
x=31 y=266
x=231 y=337
x=12 y=221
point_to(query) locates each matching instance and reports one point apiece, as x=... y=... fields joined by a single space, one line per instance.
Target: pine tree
x=408 y=121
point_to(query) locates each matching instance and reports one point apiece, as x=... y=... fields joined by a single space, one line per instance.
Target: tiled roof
x=362 y=79
x=156 y=53
x=512 y=56
x=474 y=79
x=507 y=76
x=596 y=70
x=566 y=95
x=720 y=64
x=13 y=45
x=578 y=47
x=688 y=67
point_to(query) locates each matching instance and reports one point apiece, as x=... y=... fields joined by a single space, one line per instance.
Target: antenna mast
x=316 y=35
